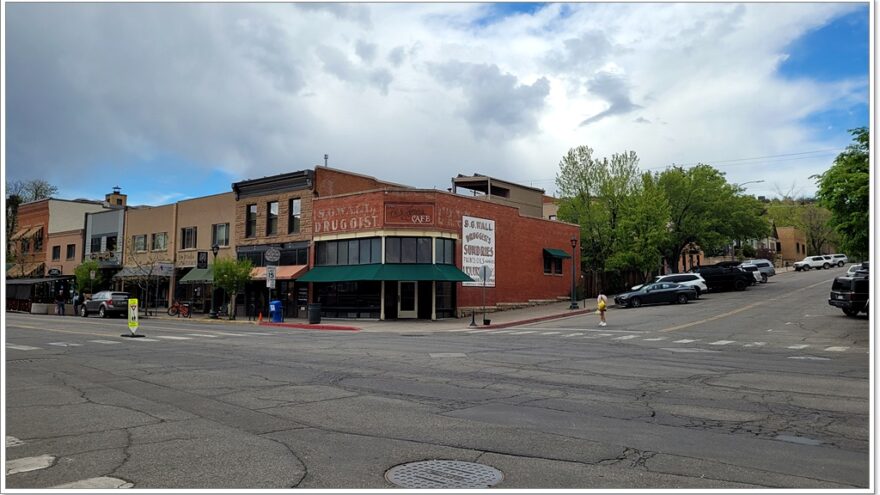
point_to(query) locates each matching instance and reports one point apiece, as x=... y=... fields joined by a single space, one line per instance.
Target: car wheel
x=808 y=267
x=763 y=278
x=83 y=311
x=840 y=265
x=101 y=312
x=682 y=299
x=635 y=302
x=740 y=285
x=826 y=266
x=850 y=312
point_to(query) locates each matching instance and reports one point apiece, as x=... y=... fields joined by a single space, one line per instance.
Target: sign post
x=270 y=276
x=132 y=319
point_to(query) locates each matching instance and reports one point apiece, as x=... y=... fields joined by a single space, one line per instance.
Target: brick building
x=791 y=244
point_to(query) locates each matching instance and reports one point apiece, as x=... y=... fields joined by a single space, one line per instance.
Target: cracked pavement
x=312 y=410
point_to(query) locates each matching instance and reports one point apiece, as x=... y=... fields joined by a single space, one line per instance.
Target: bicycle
x=178 y=309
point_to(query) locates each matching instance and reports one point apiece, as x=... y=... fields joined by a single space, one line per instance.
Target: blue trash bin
x=275 y=311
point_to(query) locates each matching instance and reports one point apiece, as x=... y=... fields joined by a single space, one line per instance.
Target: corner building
x=408 y=253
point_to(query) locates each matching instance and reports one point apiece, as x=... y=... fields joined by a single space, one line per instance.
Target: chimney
x=116 y=198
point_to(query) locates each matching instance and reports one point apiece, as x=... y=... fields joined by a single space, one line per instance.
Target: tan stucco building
x=792 y=244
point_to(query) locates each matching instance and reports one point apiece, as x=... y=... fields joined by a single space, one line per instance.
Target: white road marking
x=571 y=335
x=108 y=342
x=814 y=358
x=22 y=347
x=103 y=482
x=261 y=333
x=522 y=333
x=460 y=330
x=13 y=442
x=798 y=346
x=26 y=464
x=550 y=333
x=172 y=337
x=605 y=335
x=144 y=339
x=485 y=330
x=447 y=354
x=231 y=334
x=625 y=337
x=685 y=349
x=202 y=335
x=755 y=344
x=722 y=342
x=655 y=339
x=836 y=349
x=503 y=331
x=684 y=341
x=64 y=344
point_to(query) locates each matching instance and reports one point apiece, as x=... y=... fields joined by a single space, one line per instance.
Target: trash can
x=315 y=313
x=275 y=313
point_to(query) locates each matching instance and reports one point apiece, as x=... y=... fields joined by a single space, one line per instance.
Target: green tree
x=231 y=275
x=844 y=189
x=19 y=192
x=642 y=229
x=84 y=281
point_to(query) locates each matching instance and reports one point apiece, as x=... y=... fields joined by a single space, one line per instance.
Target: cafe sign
x=412 y=214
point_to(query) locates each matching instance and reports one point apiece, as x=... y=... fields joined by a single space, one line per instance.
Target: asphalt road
x=767 y=388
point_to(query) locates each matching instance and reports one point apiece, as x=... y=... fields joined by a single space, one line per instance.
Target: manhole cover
x=444 y=474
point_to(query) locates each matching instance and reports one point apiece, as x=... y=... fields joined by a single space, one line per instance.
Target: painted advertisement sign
x=345 y=218
x=478 y=250
x=409 y=214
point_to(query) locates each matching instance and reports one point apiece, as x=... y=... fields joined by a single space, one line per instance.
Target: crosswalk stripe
x=145 y=339
x=684 y=341
x=722 y=342
x=231 y=334
x=813 y=358
x=65 y=344
x=755 y=344
x=522 y=333
x=836 y=349
x=570 y=335
x=503 y=331
x=106 y=482
x=26 y=464
x=207 y=336
x=656 y=338
x=626 y=337
x=550 y=333
x=108 y=342
x=22 y=347
x=799 y=346
x=13 y=442
x=261 y=333
x=172 y=337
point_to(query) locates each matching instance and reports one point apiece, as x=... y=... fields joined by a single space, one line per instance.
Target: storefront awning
x=390 y=271
x=290 y=272
x=199 y=276
x=25 y=233
x=130 y=272
x=556 y=253
x=24 y=270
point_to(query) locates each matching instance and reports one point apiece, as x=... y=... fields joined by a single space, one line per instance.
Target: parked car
x=724 y=277
x=839 y=259
x=851 y=293
x=690 y=279
x=765 y=267
x=106 y=303
x=855 y=267
x=753 y=270
x=657 y=293
x=812 y=262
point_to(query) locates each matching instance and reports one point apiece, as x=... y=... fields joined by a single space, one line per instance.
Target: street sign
x=270 y=276
x=132 y=315
x=203 y=260
x=273 y=255
x=92 y=274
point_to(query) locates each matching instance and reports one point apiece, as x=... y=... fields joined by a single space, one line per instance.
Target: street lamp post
x=213 y=314
x=574 y=243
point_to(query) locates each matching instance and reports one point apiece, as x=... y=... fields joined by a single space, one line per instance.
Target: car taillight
x=109 y=302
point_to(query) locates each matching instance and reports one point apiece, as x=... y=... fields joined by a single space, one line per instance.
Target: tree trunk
x=232 y=306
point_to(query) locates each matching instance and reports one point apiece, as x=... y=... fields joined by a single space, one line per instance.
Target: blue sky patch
x=835 y=51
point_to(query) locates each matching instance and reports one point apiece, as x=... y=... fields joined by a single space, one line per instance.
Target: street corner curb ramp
x=540 y=318
x=307 y=326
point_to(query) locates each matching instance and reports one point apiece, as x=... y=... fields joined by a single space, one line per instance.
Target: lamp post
x=749 y=182
x=213 y=314
x=574 y=243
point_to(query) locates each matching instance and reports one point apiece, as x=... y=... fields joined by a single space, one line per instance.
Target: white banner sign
x=478 y=250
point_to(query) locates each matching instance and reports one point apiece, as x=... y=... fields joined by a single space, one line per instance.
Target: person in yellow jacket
x=601 y=305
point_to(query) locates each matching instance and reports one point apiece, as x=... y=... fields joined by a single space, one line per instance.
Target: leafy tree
x=844 y=189
x=231 y=275
x=642 y=229
x=83 y=278
x=17 y=193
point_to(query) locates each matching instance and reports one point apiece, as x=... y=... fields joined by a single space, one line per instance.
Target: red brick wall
x=330 y=182
x=519 y=241
x=33 y=214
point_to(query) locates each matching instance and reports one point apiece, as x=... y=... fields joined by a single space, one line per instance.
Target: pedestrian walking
x=77 y=300
x=601 y=305
x=59 y=303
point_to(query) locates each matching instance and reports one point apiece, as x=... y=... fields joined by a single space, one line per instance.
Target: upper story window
x=272 y=218
x=220 y=234
x=250 y=221
x=444 y=251
x=71 y=251
x=349 y=252
x=293 y=223
x=188 y=237
x=111 y=243
x=56 y=253
x=38 y=241
x=140 y=242
x=408 y=250
x=160 y=241
x=96 y=244
x=26 y=245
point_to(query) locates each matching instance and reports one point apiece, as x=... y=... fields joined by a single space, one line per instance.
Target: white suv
x=839 y=259
x=812 y=262
x=690 y=279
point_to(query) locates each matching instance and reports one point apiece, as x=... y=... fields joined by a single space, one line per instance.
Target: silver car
x=765 y=267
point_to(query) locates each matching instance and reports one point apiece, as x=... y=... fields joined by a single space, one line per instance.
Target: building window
x=160 y=241
x=220 y=234
x=250 y=222
x=348 y=252
x=71 y=251
x=96 y=244
x=552 y=265
x=552 y=217
x=140 y=242
x=56 y=253
x=111 y=243
x=188 y=237
x=293 y=223
x=38 y=241
x=272 y=218
x=444 y=251
x=408 y=250
x=25 y=245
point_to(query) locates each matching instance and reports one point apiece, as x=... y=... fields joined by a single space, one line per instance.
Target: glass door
x=407 y=300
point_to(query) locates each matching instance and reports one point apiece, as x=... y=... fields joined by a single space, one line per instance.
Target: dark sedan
x=106 y=303
x=657 y=293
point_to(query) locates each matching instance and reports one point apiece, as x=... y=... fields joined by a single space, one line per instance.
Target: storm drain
x=444 y=474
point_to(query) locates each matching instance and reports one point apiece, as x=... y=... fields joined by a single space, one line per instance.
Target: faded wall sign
x=344 y=218
x=478 y=250
x=409 y=214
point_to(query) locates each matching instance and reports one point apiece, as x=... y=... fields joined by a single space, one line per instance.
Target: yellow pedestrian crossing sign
x=132 y=315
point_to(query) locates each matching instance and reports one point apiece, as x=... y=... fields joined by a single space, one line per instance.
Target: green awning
x=556 y=253
x=390 y=271
x=199 y=276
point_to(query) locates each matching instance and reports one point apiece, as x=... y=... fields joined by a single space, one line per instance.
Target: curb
x=540 y=318
x=307 y=326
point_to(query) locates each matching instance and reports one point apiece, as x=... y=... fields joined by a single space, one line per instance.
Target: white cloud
x=413 y=93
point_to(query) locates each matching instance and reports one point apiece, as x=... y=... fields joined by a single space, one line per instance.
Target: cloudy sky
x=171 y=101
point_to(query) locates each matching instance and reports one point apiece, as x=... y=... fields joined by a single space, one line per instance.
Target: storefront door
x=407 y=300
